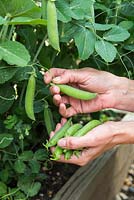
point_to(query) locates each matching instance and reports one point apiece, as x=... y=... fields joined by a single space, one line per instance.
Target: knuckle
x=70 y=143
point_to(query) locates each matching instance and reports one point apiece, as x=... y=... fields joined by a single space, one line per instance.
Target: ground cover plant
x=34 y=37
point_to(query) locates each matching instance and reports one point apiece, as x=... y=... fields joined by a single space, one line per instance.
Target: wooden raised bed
x=101 y=179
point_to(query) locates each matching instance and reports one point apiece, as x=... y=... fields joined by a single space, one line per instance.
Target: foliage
x=91 y=33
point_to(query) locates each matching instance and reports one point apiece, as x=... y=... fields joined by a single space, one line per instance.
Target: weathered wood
x=101 y=179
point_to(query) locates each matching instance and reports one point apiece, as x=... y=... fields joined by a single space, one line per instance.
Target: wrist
x=125 y=95
x=122 y=132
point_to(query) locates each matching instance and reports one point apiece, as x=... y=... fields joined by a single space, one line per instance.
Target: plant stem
x=39 y=49
x=22 y=94
x=11 y=32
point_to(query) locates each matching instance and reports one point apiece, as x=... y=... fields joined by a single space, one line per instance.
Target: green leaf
x=22 y=74
x=126 y=24
x=127 y=9
x=19 y=166
x=7 y=94
x=106 y=50
x=4 y=175
x=85 y=42
x=99 y=27
x=34 y=189
x=27 y=21
x=69 y=32
x=19 y=8
x=6 y=73
x=28 y=186
x=82 y=10
x=41 y=155
x=3 y=189
x=5 y=140
x=116 y=34
x=14 y=53
x=2 y=20
x=63 y=11
x=26 y=155
x=129 y=47
x=35 y=166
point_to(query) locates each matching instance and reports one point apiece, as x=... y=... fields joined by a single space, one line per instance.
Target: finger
x=66 y=112
x=88 y=140
x=58 y=99
x=63 y=121
x=69 y=76
x=53 y=72
x=51 y=134
x=54 y=90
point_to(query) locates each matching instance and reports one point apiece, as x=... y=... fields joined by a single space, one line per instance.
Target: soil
x=56 y=178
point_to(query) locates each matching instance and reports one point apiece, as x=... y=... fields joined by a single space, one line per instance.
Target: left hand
x=97 y=141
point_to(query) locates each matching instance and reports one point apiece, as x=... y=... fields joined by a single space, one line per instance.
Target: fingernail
x=62 y=143
x=57 y=79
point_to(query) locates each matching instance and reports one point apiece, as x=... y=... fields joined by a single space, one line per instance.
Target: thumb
x=77 y=142
x=69 y=76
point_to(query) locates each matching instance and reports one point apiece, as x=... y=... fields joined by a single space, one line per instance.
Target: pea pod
x=48 y=118
x=75 y=92
x=86 y=128
x=29 y=98
x=52 y=25
x=73 y=129
x=57 y=153
x=59 y=134
x=68 y=154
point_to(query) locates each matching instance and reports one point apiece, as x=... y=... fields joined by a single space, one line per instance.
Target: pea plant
x=36 y=35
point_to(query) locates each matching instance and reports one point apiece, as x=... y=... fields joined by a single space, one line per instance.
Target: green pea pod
x=86 y=128
x=57 y=153
x=75 y=92
x=48 y=118
x=73 y=129
x=52 y=25
x=29 y=98
x=58 y=135
x=68 y=154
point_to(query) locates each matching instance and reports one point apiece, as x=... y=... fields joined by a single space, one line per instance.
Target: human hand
x=112 y=90
x=97 y=141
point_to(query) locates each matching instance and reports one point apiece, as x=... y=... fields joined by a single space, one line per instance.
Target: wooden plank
x=101 y=179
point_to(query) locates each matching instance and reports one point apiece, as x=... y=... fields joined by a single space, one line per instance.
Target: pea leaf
x=6 y=73
x=4 y=175
x=127 y=9
x=116 y=34
x=5 y=140
x=106 y=50
x=99 y=27
x=28 y=186
x=22 y=74
x=27 y=20
x=26 y=156
x=20 y=8
x=34 y=189
x=63 y=11
x=19 y=166
x=6 y=97
x=85 y=42
x=14 y=53
x=126 y=24
x=2 y=20
x=82 y=10
x=3 y=189
x=35 y=166
x=41 y=155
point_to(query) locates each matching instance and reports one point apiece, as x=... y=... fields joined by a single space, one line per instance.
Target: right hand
x=109 y=87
